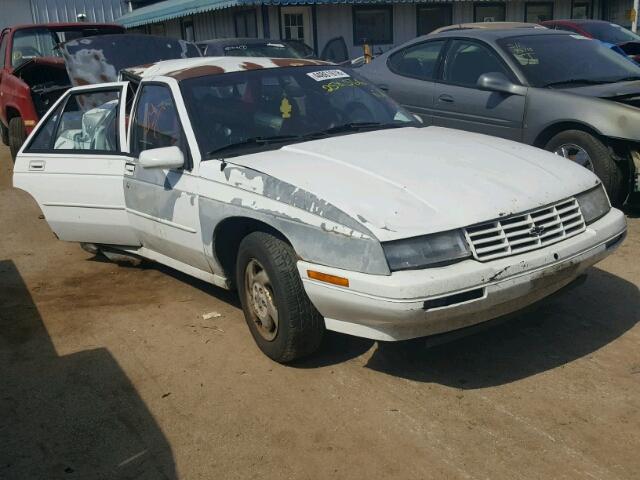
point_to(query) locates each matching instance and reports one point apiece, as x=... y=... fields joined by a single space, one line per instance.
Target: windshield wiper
x=355 y=127
x=573 y=81
x=251 y=142
x=627 y=79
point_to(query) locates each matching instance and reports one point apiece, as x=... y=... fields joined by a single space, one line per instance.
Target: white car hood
x=406 y=182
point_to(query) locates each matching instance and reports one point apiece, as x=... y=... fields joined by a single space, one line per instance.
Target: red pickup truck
x=33 y=73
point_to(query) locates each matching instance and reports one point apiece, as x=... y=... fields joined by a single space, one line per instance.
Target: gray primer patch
x=284 y=192
x=311 y=243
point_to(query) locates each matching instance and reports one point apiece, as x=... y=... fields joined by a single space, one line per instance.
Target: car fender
x=547 y=108
x=318 y=231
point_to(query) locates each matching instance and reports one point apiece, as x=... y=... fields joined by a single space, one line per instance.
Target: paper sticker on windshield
x=322 y=75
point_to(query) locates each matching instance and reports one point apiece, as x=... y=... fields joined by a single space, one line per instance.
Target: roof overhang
x=172 y=9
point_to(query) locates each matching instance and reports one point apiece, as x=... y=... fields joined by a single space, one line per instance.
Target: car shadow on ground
x=563 y=328
x=70 y=416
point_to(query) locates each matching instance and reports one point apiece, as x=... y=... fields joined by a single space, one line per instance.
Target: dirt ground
x=112 y=372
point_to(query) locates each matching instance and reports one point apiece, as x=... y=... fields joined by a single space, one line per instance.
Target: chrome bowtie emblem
x=536 y=231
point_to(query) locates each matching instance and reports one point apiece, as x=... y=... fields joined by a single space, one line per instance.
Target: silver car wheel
x=259 y=295
x=576 y=154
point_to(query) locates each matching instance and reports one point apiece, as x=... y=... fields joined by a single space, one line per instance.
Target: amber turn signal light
x=325 y=277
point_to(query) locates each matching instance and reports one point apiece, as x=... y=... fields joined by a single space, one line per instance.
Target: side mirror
x=166 y=157
x=498 y=82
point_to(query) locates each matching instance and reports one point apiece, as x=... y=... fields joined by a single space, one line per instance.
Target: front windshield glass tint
x=33 y=43
x=272 y=50
x=41 y=42
x=249 y=111
x=610 y=32
x=567 y=60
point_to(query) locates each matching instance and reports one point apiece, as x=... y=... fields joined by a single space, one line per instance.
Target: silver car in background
x=554 y=90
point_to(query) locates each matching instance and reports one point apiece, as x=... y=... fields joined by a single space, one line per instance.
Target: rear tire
x=4 y=133
x=17 y=136
x=602 y=162
x=282 y=320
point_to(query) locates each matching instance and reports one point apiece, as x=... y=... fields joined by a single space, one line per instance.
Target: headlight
x=426 y=251
x=594 y=204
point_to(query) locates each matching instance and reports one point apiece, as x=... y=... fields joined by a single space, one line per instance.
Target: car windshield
x=32 y=43
x=610 y=32
x=271 y=49
x=267 y=108
x=563 y=61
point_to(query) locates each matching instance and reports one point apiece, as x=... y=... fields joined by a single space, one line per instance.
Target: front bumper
x=419 y=303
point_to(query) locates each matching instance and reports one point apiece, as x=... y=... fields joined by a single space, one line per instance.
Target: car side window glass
x=466 y=61
x=156 y=121
x=89 y=121
x=85 y=122
x=3 y=49
x=418 y=61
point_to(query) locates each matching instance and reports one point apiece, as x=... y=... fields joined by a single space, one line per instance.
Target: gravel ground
x=112 y=372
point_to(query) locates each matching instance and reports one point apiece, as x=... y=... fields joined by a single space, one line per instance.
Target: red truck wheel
x=5 y=134
x=17 y=136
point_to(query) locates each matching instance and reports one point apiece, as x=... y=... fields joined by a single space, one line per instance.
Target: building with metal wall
x=42 y=11
x=318 y=21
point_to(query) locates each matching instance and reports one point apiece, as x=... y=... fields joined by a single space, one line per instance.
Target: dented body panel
x=338 y=201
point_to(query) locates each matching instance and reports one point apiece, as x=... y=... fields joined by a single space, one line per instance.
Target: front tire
x=282 y=320
x=17 y=136
x=588 y=151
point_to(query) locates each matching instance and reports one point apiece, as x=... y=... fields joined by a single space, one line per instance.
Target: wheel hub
x=576 y=154
x=259 y=294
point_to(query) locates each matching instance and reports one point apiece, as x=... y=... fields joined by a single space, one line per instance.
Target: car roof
x=64 y=26
x=577 y=21
x=486 y=26
x=239 y=41
x=496 y=34
x=198 y=67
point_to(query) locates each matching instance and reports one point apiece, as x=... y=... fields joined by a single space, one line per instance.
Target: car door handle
x=36 y=165
x=445 y=98
x=129 y=167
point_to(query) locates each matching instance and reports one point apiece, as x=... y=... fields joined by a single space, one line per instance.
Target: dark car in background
x=526 y=85
x=253 y=47
x=33 y=73
x=613 y=34
x=335 y=50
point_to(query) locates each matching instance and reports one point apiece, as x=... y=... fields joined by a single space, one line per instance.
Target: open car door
x=73 y=165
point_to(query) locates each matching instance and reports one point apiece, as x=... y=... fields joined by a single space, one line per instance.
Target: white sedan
x=316 y=196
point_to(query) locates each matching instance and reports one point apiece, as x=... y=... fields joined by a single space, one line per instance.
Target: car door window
x=86 y=122
x=156 y=123
x=417 y=61
x=466 y=61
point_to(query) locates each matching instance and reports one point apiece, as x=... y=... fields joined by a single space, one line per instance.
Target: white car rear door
x=73 y=165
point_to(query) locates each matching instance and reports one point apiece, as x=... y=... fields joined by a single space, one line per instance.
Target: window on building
x=536 y=12
x=188 y=32
x=156 y=123
x=246 y=24
x=489 y=12
x=581 y=10
x=293 y=24
x=431 y=17
x=417 y=61
x=373 y=25
x=158 y=29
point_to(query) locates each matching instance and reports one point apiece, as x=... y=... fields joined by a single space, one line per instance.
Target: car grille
x=521 y=233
